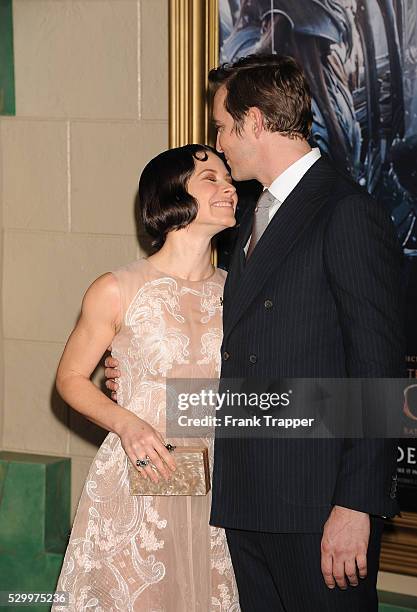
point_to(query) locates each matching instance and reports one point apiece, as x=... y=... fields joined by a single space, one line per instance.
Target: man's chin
x=235 y=174
x=239 y=175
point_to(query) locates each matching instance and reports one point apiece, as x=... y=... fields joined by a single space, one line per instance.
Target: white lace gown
x=153 y=554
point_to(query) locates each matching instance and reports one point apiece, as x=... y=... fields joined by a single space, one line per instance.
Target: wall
x=91 y=110
x=1 y=307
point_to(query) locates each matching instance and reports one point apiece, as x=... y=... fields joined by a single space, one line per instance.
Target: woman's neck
x=185 y=257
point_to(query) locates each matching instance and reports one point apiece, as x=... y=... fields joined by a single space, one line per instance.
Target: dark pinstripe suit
x=330 y=264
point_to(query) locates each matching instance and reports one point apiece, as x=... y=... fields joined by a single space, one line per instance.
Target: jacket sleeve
x=363 y=262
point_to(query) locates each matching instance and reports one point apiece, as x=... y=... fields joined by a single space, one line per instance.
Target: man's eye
x=211 y=178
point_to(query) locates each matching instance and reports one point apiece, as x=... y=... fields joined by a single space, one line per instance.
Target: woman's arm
x=98 y=324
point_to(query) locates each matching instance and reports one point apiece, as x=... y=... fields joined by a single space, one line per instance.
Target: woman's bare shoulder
x=103 y=297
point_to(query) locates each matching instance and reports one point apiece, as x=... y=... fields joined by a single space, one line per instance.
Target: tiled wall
x=91 y=110
x=1 y=308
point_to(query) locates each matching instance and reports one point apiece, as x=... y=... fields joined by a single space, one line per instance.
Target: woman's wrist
x=122 y=420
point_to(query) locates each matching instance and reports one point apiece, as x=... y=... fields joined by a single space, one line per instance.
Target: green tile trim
x=7 y=89
x=389 y=608
x=396 y=602
x=37 y=573
x=34 y=502
x=28 y=457
x=3 y=475
x=22 y=510
x=57 y=506
x=34 y=521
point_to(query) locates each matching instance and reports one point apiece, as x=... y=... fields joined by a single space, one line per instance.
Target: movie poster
x=360 y=57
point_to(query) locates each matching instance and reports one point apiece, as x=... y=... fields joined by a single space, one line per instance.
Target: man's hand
x=111 y=373
x=344 y=546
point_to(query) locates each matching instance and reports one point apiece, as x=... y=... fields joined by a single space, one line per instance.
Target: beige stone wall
x=91 y=110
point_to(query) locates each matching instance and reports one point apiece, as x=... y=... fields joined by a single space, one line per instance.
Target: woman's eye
x=211 y=178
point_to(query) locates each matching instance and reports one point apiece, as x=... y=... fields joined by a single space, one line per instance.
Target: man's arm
x=363 y=261
x=364 y=268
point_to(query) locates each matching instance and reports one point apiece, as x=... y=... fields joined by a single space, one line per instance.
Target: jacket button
x=268 y=304
x=253 y=358
x=226 y=356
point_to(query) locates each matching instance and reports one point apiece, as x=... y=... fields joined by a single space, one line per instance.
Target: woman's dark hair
x=163 y=200
x=273 y=83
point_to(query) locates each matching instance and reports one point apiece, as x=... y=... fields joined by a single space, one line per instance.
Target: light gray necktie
x=260 y=219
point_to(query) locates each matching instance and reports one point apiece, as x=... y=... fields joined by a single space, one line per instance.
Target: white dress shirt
x=284 y=184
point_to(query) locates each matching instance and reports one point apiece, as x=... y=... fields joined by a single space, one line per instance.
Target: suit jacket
x=320 y=296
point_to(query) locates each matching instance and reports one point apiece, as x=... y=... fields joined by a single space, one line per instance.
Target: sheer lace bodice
x=152 y=554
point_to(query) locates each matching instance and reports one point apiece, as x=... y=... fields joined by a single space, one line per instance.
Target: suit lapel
x=237 y=261
x=283 y=232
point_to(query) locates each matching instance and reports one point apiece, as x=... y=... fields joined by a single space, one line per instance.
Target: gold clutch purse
x=192 y=476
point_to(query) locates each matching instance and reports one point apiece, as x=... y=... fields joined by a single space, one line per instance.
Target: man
x=312 y=291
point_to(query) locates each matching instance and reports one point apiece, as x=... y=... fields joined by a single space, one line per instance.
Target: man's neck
x=279 y=153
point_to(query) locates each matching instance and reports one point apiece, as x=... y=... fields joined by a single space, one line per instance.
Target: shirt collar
x=282 y=186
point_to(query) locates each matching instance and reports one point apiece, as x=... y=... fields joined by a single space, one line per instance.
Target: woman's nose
x=229 y=188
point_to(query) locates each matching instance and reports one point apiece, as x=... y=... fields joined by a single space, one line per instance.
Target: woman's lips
x=223 y=204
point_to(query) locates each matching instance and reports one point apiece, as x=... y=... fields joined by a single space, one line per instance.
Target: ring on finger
x=143 y=462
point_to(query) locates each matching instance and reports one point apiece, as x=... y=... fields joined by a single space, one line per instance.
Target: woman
x=162 y=316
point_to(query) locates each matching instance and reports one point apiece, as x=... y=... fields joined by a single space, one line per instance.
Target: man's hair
x=163 y=201
x=273 y=83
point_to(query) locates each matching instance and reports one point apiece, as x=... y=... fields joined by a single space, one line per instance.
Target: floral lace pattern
x=153 y=554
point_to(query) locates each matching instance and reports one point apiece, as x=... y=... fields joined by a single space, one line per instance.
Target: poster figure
x=360 y=57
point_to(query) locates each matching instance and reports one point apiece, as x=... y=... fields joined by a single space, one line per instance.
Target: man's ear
x=255 y=119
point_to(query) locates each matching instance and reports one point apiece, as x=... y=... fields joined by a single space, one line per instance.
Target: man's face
x=239 y=149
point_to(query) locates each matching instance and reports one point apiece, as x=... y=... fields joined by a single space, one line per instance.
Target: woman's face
x=211 y=185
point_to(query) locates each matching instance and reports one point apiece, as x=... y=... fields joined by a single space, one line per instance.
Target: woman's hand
x=141 y=441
